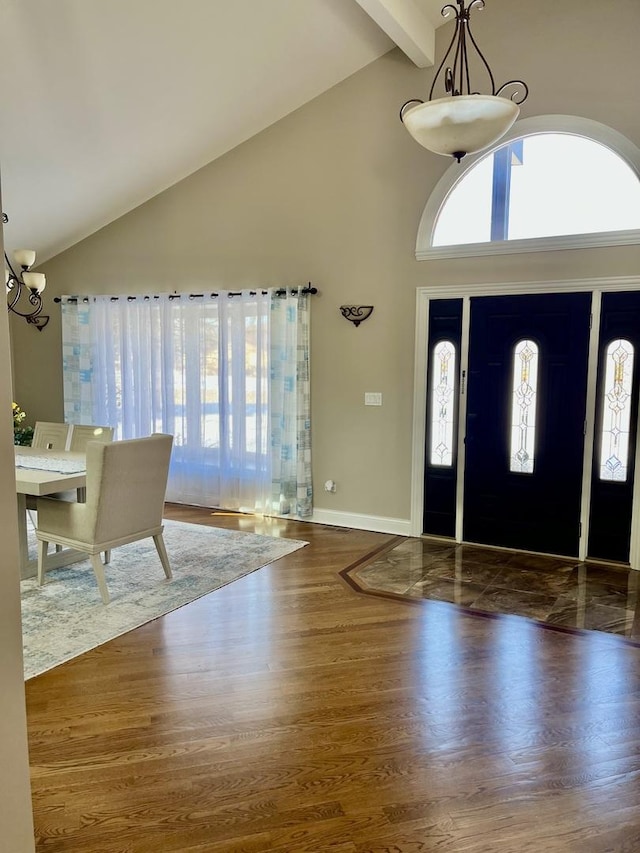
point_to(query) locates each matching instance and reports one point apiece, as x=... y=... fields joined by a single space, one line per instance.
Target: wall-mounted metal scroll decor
x=356 y=314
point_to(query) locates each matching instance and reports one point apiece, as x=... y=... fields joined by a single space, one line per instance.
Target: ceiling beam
x=405 y=24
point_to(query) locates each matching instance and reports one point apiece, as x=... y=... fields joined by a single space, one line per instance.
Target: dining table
x=41 y=472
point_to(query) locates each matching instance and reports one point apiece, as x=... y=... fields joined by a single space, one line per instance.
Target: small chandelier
x=464 y=121
x=25 y=288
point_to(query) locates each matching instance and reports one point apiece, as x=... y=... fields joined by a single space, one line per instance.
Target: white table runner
x=50 y=463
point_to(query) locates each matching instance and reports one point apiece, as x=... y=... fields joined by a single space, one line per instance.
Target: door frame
x=596 y=286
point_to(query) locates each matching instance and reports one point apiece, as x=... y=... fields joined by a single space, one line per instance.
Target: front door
x=524 y=447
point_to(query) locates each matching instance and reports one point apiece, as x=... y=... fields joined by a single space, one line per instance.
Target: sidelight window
x=614 y=442
x=443 y=398
x=523 y=407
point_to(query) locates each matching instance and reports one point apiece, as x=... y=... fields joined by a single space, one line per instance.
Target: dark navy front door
x=536 y=510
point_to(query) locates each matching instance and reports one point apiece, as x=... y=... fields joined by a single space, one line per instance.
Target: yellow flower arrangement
x=18 y=415
x=21 y=434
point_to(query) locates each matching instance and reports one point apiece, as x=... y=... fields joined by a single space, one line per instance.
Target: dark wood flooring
x=290 y=712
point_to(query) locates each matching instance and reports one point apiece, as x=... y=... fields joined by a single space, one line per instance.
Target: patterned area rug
x=66 y=617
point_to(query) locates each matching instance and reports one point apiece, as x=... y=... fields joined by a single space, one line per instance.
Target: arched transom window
x=543 y=189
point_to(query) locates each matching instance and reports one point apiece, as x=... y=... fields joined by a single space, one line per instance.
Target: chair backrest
x=82 y=433
x=126 y=485
x=50 y=436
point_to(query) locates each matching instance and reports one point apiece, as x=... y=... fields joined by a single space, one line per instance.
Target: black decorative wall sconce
x=356 y=314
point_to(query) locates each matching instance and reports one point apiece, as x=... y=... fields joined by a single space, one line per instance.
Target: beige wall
x=334 y=194
x=16 y=824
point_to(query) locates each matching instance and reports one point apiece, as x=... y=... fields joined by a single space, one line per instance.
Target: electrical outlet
x=372 y=398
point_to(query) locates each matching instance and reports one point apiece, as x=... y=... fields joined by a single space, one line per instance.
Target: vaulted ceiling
x=105 y=103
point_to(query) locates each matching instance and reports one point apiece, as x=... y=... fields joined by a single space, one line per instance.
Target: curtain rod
x=280 y=292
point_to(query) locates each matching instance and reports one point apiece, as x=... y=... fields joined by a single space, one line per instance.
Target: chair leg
x=162 y=553
x=98 y=571
x=33 y=518
x=43 y=547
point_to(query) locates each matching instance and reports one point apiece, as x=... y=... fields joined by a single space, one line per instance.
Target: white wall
x=16 y=825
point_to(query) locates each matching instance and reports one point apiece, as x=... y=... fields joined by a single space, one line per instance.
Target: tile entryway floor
x=556 y=591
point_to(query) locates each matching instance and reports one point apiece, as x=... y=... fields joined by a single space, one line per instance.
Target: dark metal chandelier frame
x=456 y=76
x=18 y=291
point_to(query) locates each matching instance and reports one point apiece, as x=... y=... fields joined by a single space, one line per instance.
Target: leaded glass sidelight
x=523 y=407
x=443 y=398
x=614 y=442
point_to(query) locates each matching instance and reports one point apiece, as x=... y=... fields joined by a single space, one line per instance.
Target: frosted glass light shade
x=24 y=257
x=35 y=281
x=460 y=124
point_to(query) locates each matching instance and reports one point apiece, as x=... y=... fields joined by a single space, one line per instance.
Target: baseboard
x=377 y=523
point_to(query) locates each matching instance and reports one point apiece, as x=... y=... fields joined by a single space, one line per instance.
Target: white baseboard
x=377 y=523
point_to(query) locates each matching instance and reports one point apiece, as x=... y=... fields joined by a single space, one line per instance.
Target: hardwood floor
x=289 y=712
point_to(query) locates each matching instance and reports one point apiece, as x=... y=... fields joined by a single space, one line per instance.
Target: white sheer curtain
x=291 y=405
x=227 y=376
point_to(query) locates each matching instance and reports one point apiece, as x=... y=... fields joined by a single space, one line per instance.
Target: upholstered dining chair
x=80 y=434
x=47 y=435
x=126 y=485
x=50 y=436
x=74 y=437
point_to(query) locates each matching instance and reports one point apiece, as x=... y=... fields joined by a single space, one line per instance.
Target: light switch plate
x=372 y=398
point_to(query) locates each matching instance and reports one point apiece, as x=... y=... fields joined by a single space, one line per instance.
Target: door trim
x=423 y=296
x=590 y=421
x=462 y=417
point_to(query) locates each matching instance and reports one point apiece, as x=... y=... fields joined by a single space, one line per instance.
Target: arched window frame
x=575 y=125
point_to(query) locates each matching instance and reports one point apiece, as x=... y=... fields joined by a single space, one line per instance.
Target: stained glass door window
x=523 y=407
x=614 y=441
x=443 y=380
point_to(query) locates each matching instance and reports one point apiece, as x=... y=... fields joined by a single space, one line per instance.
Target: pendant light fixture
x=24 y=288
x=464 y=120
